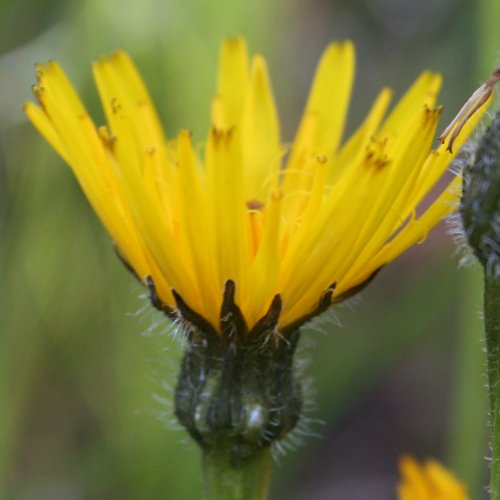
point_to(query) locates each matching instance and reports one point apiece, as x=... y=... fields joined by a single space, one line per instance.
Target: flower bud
x=480 y=204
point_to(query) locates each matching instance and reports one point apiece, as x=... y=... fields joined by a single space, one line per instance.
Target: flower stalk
x=480 y=211
x=492 y=328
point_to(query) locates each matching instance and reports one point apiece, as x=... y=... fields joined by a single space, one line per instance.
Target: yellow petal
x=227 y=206
x=265 y=269
x=328 y=103
x=43 y=124
x=231 y=83
x=260 y=135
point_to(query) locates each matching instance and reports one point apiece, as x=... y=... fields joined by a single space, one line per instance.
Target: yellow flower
x=286 y=224
x=429 y=481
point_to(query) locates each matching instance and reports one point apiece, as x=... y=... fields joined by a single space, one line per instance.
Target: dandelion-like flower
x=287 y=220
x=428 y=481
x=249 y=238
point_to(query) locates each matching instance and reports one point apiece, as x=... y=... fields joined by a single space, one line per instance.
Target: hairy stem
x=492 y=327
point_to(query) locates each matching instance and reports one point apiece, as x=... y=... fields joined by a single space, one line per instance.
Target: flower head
x=429 y=481
x=284 y=225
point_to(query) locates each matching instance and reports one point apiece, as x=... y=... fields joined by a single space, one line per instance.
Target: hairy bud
x=238 y=390
x=480 y=204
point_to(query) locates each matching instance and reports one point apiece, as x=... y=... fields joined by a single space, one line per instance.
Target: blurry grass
x=468 y=430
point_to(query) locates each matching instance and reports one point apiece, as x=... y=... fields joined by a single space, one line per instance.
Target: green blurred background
x=87 y=369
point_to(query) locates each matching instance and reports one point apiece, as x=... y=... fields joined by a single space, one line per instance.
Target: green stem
x=492 y=328
x=468 y=430
x=223 y=480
